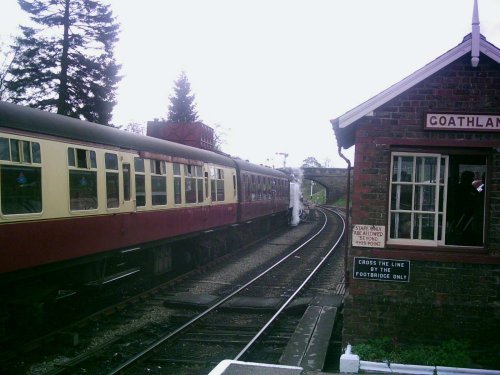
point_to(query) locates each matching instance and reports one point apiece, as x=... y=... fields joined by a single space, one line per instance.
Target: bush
x=451 y=353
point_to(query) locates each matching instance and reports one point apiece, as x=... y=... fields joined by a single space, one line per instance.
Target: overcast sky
x=273 y=73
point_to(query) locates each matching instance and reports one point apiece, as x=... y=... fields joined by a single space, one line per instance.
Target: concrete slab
x=191 y=300
x=206 y=300
x=327 y=300
x=308 y=345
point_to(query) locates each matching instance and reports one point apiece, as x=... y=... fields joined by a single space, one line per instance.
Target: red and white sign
x=368 y=235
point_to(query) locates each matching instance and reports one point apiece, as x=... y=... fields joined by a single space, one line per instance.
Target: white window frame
x=439 y=187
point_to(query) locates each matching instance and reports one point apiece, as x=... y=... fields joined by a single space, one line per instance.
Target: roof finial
x=476 y=35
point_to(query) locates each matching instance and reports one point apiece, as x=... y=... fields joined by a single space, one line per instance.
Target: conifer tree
x=182 y=108
x=66 y=63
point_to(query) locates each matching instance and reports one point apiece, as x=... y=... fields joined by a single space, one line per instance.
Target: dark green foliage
x=66 y=64
x=311 y=162
x=449 y=353
x=182 y=108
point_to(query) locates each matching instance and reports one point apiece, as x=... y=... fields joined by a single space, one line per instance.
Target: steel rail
x=160 y=341
x=290 y=299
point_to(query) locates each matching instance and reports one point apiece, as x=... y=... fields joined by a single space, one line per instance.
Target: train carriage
x=71 y=189
x=263 y=191
x=86 y=204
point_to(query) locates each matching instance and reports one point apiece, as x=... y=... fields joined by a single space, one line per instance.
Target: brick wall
x=443 y=300
x=450 y=295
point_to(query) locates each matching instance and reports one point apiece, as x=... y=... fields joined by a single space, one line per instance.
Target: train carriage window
x=35 y=150
x=71 y=157
x=253 y=188
x=206 y=184
x=20 y=177
x=220 y=185
x=199 y=183
x=437 y=199
x=158 y=183
x=217 y=184
x=14 y=150
x=140 y=182
x=177 y=183
x=112 y=180
x=111 y=161
x=213 y=184
x=4 y=149
x=82 y=179
x=193 y=184
x=126 y=181
x=190 y=183
x=21 y=189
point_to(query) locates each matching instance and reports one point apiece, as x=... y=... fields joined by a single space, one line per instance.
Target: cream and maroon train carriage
x=75 y=195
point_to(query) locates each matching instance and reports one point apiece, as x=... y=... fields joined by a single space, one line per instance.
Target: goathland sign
x=447 y=121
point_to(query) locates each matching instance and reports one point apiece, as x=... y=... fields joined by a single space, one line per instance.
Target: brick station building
x=423 y=260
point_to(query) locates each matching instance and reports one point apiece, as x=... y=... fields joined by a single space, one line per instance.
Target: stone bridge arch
x=333 y=179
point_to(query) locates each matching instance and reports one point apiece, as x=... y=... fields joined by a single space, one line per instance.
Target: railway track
x=173 y=335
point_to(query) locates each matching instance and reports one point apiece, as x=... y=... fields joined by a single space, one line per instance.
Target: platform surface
x=230 y=367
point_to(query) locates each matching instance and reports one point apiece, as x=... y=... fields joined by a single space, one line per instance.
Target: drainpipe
x=347 y=214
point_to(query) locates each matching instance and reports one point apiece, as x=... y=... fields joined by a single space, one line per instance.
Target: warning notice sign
x=368 y=235
x=381 y=269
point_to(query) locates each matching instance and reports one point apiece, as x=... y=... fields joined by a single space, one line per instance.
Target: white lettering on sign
x=368 y=235
x=381 y=269
x=486 y=123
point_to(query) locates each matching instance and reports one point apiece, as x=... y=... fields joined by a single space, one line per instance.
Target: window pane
x=26 y=152
x=200 y=190
x=440 y=227
x=401 y=197
x=126 y=181
x=159 y=190
x=442 y=170
x=111 y=161
x=139 y=165
x=14 y=150
x=158 y=167
x=425 y=198
x=35 y=149
x=140 y=190
x=214 y=190
x=402 y=170
x=206 y=184
x=400 y=225
x=190 y=190
x=112 y=190
x=220 y=190
x=426 y=169
x=81 y=158
x=83 y=190
x=423 y=227
x=4 y=149
x=177 y=169
x=177 y=190
x=71 y=157
x=93 y=161
x=21 y=189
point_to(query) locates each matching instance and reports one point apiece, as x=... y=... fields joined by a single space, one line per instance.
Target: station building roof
x=474 y=43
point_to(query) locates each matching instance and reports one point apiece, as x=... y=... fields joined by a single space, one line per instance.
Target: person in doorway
x=467 y=206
